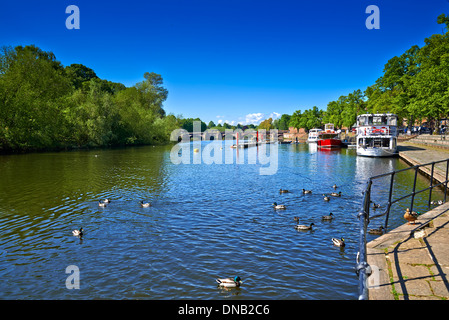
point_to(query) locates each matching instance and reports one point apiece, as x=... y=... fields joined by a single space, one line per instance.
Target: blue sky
x=233 y=60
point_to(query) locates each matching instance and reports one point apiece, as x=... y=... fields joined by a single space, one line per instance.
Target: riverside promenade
x=411 y=262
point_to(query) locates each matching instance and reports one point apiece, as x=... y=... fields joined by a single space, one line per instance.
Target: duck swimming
x=101 y=204
x=78 y=233
x=304 y=227
x=279 y=206
x=283 y=191
x=329 y=217
x=326 y=198
x=335 y=194
x=334 y=186
x=144 y=205
x=338 y=242
x=229 y=282
x=304 y=191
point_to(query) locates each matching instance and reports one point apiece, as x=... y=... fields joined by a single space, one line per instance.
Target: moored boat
x=377 y=135
x=313 y=135
x=329 y=138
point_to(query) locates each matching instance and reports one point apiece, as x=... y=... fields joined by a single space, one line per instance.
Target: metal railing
x=363 y=269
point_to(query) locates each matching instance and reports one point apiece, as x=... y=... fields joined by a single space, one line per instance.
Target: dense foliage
x=44 y=105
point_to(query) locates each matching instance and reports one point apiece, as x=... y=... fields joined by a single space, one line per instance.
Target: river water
x=206 y=221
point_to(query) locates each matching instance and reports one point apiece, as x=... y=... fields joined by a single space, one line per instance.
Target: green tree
x=295 y=119
x=283 y=122
x=32 y=86
x=429 y=88
x=266 y=124
x=354 y=104
x=78 y=74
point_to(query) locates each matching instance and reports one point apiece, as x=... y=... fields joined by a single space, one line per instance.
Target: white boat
x=313 y=135
x=377 y=135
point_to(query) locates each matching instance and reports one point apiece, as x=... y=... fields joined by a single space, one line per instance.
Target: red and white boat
x=329 y=138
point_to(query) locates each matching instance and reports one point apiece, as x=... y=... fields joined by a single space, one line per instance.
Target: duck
x=375 y=205
x=304 y=227
x=334 y=186
x=335 y=194
x=326 y=198
x=107 y=201
x=304 y=191
x=338 y=242
x=144 y=205
x=78 y=233
x=296 y=219
x=376 y=231
x=433 y=202
x=329 y=217
x=283 y=191
x=279 y=206
x=440 y=201
x=410 y=216
x=229 y=282
x=101 y=204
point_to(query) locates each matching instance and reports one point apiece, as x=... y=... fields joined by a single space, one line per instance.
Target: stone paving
x=414 y=154
x=411 y=262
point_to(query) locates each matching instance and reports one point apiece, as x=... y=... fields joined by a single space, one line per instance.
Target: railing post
x=445 y=187
x=363 y=269
x=389 y=200
x=431 y=184
x=414 y=188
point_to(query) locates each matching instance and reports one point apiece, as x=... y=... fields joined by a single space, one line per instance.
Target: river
x=205 y=221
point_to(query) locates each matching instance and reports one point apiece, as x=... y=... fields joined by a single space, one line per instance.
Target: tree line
x=45 y=105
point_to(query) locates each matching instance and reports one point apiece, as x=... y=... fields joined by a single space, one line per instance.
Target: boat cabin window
x=375 y=143
x=363 y=121
x=379 y=120
x=392 y=121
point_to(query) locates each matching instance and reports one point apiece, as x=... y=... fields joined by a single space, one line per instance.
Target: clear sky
x=228 y=60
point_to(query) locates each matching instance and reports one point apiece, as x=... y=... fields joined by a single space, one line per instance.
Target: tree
x=266 y=124
x=391 y=92
x=152 y=94
x=44 y=105
x=334 y=111
x=283 y=122
x=79 y=74
x=211 y=124
x=295 y=119
x=187 y=124
x=354 y=104
x=429 y=88
x=32 y=85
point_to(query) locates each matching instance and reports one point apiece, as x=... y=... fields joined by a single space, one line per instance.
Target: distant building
x=294 y=133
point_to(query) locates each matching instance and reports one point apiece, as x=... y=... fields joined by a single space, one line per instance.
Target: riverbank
x=413 y=260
